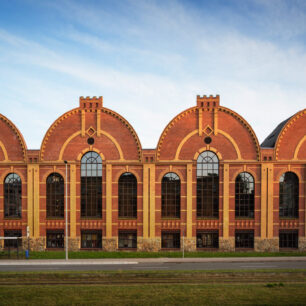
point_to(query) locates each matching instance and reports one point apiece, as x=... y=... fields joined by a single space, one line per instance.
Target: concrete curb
x=130 y=261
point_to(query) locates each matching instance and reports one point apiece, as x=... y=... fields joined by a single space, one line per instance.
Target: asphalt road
x=142 y=266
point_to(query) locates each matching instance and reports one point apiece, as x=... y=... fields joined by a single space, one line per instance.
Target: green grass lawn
x=154 y=288
x=125 y=254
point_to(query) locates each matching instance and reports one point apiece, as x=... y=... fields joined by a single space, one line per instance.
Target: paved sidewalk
x=127 y=261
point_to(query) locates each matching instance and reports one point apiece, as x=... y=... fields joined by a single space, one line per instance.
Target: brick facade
x=182 y=141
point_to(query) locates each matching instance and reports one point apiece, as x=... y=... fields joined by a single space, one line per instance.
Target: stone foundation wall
x=35 y=244
x=227 y=244
x=266 y=245
x=189 y=244
x=109 y=244
x=74 y=244
x=148 y=244
x=302 y=244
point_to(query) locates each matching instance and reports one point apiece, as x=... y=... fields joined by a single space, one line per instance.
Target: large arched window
x=55 y=196
x=208 y=185
x=171 y=196
x=244 y=195
x=91 y=185
x=12 y=196
x=289 y=195
x=127 y=193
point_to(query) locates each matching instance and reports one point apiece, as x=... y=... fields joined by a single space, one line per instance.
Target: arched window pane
x=289 y=195
x=208 y=185
x=55 y=196
x=91 y=185
x=127 y=192
x=171 y=196
x=244 y=195
x=12 y=196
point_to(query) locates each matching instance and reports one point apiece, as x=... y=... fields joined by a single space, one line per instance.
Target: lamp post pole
x=66 y=211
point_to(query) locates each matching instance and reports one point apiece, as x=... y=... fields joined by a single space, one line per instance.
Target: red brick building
x=208 y=180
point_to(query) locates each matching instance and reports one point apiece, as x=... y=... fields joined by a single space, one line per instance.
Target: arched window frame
x=55 y=196
x=171 y=196
x=244 y=195
x=91 y=185
x=12 y=196
x=127 y=196
x=207 y=185
x=289 y=195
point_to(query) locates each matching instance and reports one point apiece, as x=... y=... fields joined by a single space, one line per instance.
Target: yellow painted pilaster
x=83 y=123
x=189 y=201
x=152 y=200
x=226 y=201
x=200 y=121
x=263 y=209
x=98 y=123
x=72 y=201
x=270 y=201
x=215 y=121
x=109 y=233
x=305 y=195
x=145 y=201
x=33 y=200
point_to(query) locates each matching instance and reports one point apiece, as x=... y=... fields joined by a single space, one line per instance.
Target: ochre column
x=189 y=201
x=226 y=201
x=33 y=200
x=152 y=200
x=145 y=201
x=263 y=208
x=72 y=201
x=109 y=233
x=270 y=201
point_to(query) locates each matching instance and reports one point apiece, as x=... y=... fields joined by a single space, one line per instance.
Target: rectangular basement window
x=289 y=239
x=171 y=240
x=91 y=239
x=127 y=239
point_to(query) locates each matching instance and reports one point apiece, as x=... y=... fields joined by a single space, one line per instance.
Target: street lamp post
x=66 y=211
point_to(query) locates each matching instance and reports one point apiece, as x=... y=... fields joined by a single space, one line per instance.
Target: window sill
x=171 y=218
x=207 y=249
x=55 y=218
x=12 y=218
x=91 y=249
x=127 y=218
x=127 y=249
x=244 y=218
x=288 y=218
x=208 y=218
x=170 y=249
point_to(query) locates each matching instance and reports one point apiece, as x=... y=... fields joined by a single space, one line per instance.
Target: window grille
x=289 y=239
x=171 y=196
x=55 y=196
x=127 y=240
x=171 y=240
x=127 y=195
x=244 y=239
x=91 y=239
x=244 y=195
x=12 y=196
x=289 y=195
x=208 y=185
x=208 y=239
x=91 y=185
x=55 y=239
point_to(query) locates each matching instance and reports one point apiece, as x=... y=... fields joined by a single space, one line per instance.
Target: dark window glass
x=127 y=195
x=55 y=196
x=12 y=196
x=91 y=239
x=244 y=195
x=208 y=239
x=171 y=196
x=289 y=239
x=55 y=239
x=91 y=185
x=171 y=240
x=208 y=185
x=289 y=195
x=127 y=240
x=14 y=242
x=244 y=239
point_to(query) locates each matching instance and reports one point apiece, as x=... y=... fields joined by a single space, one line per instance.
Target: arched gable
x=291 y=141
x=69 y=135
x=230 y=134
x=12 y=143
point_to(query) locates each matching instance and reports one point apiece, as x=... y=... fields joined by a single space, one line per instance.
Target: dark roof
x=270 y=141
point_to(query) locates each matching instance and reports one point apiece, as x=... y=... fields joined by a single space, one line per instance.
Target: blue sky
x=149 y=60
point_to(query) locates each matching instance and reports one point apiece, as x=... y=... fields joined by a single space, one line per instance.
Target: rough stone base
x=227 y=244
x=109 y=244
x=35 y=244
x=148 y=244
x=302 y=244
x=74 y=244
x=266 y=245
x=189 y=244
